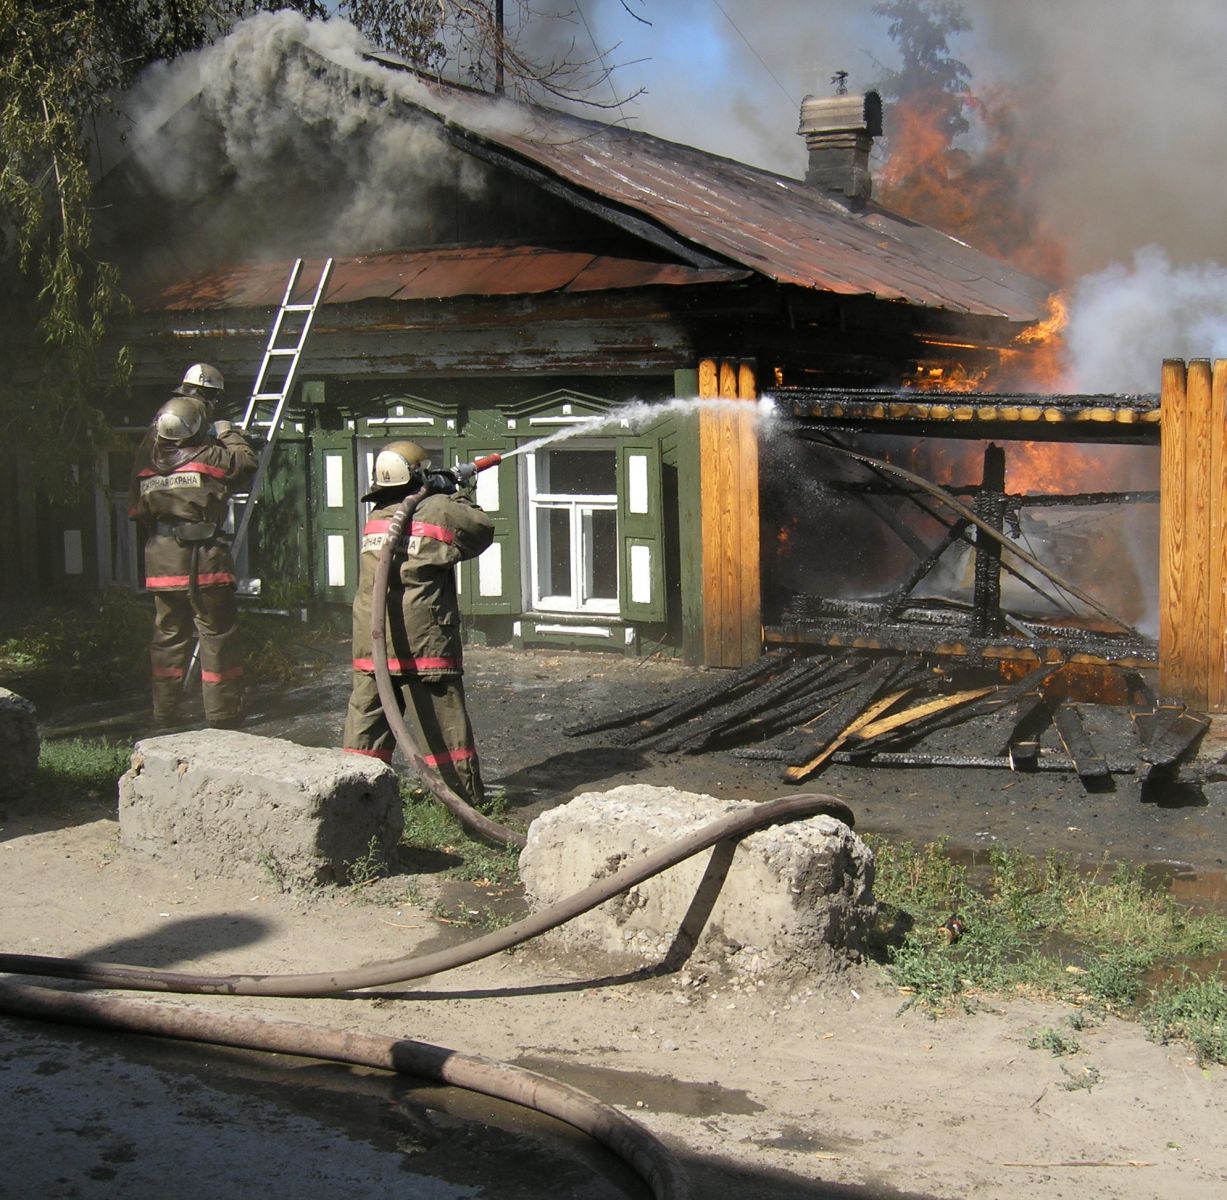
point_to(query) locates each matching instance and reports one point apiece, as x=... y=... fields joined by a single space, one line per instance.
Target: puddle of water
x=1199 y=891
x=321 y=1129
x=803 y=1141
x=630 y=1089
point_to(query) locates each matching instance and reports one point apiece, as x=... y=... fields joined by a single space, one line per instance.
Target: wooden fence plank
x=1195 y=601
x=1216 y=657
x=1172 y=528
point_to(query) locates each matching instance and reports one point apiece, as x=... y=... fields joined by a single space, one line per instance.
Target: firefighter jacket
x=180 y=494
x=423 y=621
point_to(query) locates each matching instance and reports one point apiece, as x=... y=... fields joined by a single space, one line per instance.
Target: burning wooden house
x=540 y=270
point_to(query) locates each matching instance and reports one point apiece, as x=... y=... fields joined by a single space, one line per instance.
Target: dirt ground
x=835 y=1089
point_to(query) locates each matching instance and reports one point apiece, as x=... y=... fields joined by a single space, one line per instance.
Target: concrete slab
x=219 y=802
x=794 y=899
x=19 y=745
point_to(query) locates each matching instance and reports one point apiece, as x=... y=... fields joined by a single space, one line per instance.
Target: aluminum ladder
x=273 y=384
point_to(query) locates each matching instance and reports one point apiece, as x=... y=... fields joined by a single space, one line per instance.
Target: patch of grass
x=367 y=867
x=430 y=826
x=81 y=769
x=108 y=633
x=1193 y=1011
x=1039 y=927
x=1054 y=1040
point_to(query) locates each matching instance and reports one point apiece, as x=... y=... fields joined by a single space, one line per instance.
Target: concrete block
x=19 y=745
x=219 y=802
x=794 y=899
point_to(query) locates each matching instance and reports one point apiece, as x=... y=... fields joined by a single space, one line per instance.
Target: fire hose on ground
x=639 y=1148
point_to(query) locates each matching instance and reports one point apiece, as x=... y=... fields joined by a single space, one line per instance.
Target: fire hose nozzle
x=464 y=472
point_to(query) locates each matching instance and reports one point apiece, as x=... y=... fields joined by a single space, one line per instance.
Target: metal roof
x=433 y=275
x=774 y=225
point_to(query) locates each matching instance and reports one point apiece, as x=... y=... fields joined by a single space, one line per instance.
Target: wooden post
x=1217 y=559
x=1192 y=545
x=728 y=458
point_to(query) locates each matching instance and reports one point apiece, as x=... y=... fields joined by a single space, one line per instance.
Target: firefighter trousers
x=437 y=719
x=213 y=617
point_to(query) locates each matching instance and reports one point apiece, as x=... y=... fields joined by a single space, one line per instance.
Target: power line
x=753 y=51
x=583 y=16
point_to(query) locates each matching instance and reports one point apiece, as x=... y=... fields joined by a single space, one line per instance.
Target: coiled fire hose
x=639 y=1148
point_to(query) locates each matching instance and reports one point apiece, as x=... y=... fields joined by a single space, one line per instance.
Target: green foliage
x=430 y=826
x=106 y=633
x=367 y=867
x=81 y=769
x=1054 y=1040
x=1193 y=1011
x=1035 y=926
x=928 y=72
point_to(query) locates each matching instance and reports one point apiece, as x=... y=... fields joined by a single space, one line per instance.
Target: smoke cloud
x=1115 y=103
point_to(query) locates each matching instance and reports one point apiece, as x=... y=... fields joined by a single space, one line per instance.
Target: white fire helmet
x=179 y=419
x=398 y=464
x=201 y=375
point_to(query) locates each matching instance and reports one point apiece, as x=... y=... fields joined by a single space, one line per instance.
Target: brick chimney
x=839 y=131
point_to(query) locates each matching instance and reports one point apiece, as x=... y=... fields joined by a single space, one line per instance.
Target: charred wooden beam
x=990 y=508
x=1046 y=761
x=701 y=698
x=813 y=703
x=1174 y=739
x=797 y=678
x=1077 y=742
x=892 y=604
x=861 y=704
x=990 y=706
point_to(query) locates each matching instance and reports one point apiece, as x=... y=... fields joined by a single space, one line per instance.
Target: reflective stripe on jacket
x=423 y=622
x=195 y=490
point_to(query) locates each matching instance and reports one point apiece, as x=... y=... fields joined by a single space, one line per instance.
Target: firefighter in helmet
x=423 y=619
x=183 y=477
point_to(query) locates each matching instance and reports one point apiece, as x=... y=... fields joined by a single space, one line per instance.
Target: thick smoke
x=1124 y=315
x=241 y=134
x=1117 y=100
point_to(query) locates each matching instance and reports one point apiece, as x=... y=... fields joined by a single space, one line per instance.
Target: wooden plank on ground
x=990 y=705
x=713 y=691
x=1010 y=721
x=806 y=708
x=837 y=721
x=1077 y=742
x=745 y=705
x=917 y=712
x=1176 y=739
x=805 y=770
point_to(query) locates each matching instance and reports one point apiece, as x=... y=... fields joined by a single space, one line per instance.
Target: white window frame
x=580 y=509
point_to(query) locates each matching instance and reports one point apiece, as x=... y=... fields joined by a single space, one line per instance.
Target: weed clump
x=1042 y=927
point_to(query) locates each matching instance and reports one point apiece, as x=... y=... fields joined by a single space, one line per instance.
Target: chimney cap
x=842 y=114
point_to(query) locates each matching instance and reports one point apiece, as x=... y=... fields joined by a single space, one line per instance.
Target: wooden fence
x=1192 y=539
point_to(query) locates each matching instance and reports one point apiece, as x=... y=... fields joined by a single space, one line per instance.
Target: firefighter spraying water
x=418 y=619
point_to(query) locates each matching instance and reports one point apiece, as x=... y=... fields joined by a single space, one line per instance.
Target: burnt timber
x=1121 y=418
x=894 y=711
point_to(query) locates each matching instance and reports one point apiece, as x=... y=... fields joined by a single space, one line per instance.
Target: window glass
x=579 y=472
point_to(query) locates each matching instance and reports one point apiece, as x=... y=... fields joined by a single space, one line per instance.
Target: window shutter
x=641 y=527
x=490 y=583
x=335 y=505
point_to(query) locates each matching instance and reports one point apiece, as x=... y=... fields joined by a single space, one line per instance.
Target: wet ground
x=223 y=1117
x=521 y=701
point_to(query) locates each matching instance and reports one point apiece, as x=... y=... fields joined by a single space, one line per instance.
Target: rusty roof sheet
x=774 y=225
x=432 y=275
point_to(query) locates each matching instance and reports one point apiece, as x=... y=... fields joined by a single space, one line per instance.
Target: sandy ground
x=838 y=1089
